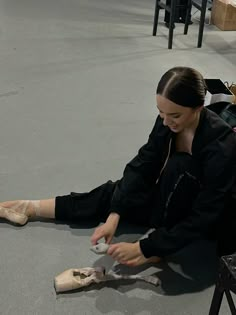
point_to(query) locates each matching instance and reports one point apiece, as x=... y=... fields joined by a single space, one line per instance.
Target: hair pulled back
x=184 y=86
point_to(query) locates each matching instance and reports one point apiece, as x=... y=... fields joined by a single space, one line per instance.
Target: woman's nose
x=166 y=121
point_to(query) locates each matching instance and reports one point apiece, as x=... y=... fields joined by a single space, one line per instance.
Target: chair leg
x=156 y=16
x=216 y=301
x=188 y=16
x=172 y=21
x=202 y=21
x=230 y=301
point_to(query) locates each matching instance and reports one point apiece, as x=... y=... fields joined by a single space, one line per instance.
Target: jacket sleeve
x=139 y=175
x=219 y=176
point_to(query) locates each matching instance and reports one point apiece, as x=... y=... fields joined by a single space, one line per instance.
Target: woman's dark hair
x=183 y=86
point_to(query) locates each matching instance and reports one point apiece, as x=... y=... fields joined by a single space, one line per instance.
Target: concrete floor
x=77 y=91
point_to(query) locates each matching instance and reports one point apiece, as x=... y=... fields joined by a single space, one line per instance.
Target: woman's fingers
x=129 y=254
x=124 y=251
x=97 y=235
x=105 y=230
x=140 y=261
x=115 y=251
x=131 y=263
x=108 y=239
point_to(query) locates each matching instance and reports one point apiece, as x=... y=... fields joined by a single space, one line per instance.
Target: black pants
x=170 y=201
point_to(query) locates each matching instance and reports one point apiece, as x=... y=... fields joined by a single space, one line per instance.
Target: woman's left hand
x=129 y=254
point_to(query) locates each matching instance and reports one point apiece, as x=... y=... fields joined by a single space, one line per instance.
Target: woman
x=180 y=183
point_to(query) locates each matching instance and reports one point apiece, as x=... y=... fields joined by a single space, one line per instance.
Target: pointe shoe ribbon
x=12 y=215
x=72 y=279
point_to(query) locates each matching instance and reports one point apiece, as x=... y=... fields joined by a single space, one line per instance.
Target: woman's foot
x=19 y=211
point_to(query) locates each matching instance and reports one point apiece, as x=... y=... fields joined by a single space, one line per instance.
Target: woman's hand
x=129 y=254
x=106 y=230
x=142 y=260
x=122 y=252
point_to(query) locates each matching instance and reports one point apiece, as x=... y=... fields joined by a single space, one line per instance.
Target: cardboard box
x=223 y=15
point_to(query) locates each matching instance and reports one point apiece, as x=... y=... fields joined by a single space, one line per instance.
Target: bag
x=232 y=88
x=225 y=110
x=217 y=91
x=229 y=115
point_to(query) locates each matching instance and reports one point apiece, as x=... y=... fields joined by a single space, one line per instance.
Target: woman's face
x=177 y=117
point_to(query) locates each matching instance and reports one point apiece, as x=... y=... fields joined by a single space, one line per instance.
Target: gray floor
x=77 y=91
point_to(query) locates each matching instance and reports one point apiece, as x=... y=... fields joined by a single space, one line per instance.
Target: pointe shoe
x=73 y=279
x=14 y=216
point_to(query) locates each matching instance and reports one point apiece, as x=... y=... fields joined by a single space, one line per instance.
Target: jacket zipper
x=166 y=160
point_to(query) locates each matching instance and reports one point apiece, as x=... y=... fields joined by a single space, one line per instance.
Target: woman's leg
x=88 y=207
x=76 y=207
x=46 y=208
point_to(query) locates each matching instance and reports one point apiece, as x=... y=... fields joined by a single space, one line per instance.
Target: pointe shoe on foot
x=17 y=213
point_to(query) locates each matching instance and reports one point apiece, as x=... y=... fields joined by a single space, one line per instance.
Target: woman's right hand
x=106 y=230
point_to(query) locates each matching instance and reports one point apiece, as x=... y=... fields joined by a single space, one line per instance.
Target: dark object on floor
x=183 y=21
x=167 y=24
x=180 y=11
x=226 y=282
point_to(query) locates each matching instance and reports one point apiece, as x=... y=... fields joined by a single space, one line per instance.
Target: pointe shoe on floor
x=72 y=279
x=15 y=214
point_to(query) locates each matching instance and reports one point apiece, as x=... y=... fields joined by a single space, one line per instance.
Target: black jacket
x=214 y=147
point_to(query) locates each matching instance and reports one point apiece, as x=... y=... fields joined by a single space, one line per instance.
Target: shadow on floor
x=191 y=270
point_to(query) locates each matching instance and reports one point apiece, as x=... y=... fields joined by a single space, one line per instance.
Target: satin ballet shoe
x=73 y=279
x=14 y=216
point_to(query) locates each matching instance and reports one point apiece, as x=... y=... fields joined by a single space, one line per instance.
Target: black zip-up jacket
x=214 y=147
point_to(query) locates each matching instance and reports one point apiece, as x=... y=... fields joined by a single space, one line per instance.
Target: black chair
x=199 y=4
x=226 y=282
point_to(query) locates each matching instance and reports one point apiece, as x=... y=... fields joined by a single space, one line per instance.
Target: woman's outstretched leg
x=20 y=211
x=76 y=207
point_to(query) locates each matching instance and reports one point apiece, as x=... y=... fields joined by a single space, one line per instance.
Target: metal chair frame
x=202 y=6
x=226 y=282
